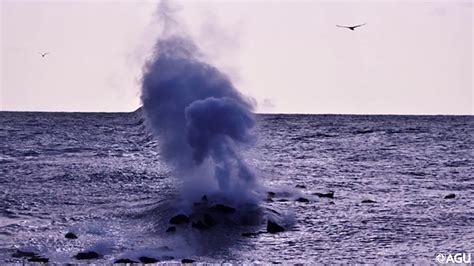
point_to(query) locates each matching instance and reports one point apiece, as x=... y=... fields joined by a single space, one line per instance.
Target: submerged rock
x=368 y=201
x=126 y=261
x=450 y=196
x=70 y=235
x=329 y=195
x=249 y=234
x=271 y=194
x=38 y=259
x=179 y=219
x=23 y=254
x=300 y=186
x=146 y=260
x=89 y=255
x=187 y=261
x=171 y=229
x=222 y=209
x=31 y=256
x=273 y=227
x=301 y=199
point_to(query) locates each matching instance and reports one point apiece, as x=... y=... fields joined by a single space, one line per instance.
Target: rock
x=271 y=194
x=89 y=255
x=171 y=229
x=301 y=199
x=38 y=259
x=300 y=186
x=368 y=201
x=204 y=198
x=222 y=209
x=187 y=261
x=450 y=196
x=125 y=261
x=208 y=220
x=200 y=225
x=325 y=195
x=23 y=254
x=282 y=200
x=269 y=200
x=70 y=236
x=146 y=260
x=249 y=234
x=179 y=219
x=273 y=227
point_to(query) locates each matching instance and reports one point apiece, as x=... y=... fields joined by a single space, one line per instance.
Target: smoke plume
x=201 y=121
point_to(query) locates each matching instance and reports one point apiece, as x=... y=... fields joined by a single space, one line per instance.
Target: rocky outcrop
x=70 y=235
x=88 y=255
x=273 y=227
x=179 y=219
x=329 y=195
x=146 y=260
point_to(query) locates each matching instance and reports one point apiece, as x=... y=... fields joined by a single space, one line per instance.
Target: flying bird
x=43 y=54
x=351 y=27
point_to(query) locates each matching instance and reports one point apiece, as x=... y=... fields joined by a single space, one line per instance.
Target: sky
x=412 y=57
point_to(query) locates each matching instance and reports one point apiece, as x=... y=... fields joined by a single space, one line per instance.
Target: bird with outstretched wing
x=43 y=54
x=351 y=27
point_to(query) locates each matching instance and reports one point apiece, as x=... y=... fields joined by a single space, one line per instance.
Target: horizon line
x=257 y=113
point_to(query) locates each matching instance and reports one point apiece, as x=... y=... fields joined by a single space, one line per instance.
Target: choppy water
x=100 y=176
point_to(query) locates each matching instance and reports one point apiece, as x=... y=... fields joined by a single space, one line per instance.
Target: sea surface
x=99 y=175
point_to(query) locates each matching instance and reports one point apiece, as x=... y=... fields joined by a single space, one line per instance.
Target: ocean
x=100 y=176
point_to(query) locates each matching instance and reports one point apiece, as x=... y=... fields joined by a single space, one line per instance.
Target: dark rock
x=325 y=195
x=273 y=227
x=89 y=255
x=271 y=194
x=38 y=259
x=222 y=209
x=23 y=254
x=368 y=201
x=249 y=234
x=70 y=236
x=204 y=198
x=282 y=200
x=187 y=261
x=269 y=200
x=179 y=219
x=450 y=196
x=171 y=229
x=305 y=200
x=125 y=261
x=200 y=225
x=147 y=260
x=300 y=186
x=208 y=220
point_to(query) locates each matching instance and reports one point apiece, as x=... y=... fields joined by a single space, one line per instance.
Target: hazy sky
x=411 y=58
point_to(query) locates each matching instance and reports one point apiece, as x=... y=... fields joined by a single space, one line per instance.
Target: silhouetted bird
x=351 y=27
x=43 y=54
